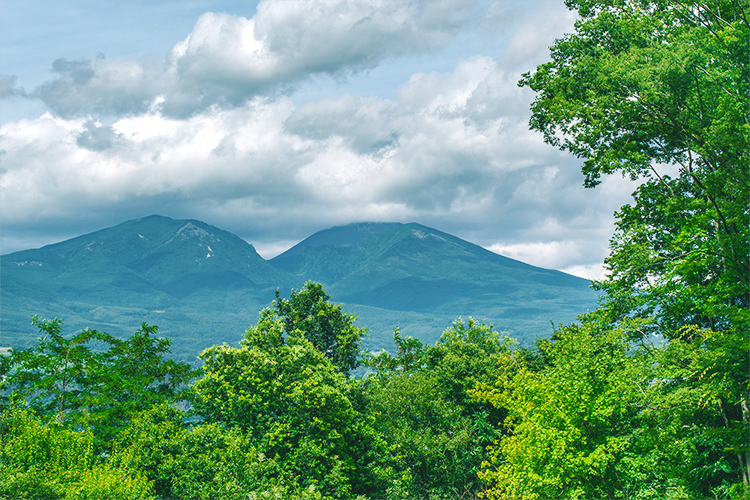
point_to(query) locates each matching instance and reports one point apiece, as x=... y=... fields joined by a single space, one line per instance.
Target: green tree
x=100 y=387
x=410 y=356
x=135 y=376
x=645 y=88
x=309 y=313
x=289 y=398
x=658 y=90
x=53 y=375
x=570 y=424
x=434 y=435
x=50 y=461
x=207 y=461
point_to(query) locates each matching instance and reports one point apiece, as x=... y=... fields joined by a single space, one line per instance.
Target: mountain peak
x=341 y=236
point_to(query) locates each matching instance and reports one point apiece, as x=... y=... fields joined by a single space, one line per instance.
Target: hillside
x=202 y=285
x=423 y=274
x=198 y=283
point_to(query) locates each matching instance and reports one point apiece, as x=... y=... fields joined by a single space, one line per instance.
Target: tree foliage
x=655 y=90
x=434 y=435
x=288 y=397
x=54 y=462
x=94 y=379
x=310 y=314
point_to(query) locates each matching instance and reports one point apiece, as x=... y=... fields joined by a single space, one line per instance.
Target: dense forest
x=645 y=397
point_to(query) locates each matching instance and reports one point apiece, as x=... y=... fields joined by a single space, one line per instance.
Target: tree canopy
x=656 y=90
x=310 y=314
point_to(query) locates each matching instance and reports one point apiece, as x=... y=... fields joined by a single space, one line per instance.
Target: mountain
x=192 y=279
x=203 y=285
x=418 y=271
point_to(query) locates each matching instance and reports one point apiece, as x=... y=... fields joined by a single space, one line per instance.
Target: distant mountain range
x=202 y=285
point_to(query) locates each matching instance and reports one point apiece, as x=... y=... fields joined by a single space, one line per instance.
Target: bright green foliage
x=433 y=434
x=692 y=410
x=650 y=81
x=607 y=418
x=569 y=423
x=658 y=90
x=309 y=314
x=53 y=462
x=288 y=397
x=101 y=387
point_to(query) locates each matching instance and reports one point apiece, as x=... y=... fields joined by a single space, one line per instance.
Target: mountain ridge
x=204 y=285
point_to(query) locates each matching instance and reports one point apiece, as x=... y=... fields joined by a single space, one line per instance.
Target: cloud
x=96 y=86
x=9 y=87
x=216 y=132
x=452 y=150
x=97 y=137
x=227 y=60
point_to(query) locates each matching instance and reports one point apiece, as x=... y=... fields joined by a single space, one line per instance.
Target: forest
x=645 y=397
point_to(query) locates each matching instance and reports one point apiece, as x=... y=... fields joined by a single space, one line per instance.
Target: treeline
x=589 y=413
x=280 y=416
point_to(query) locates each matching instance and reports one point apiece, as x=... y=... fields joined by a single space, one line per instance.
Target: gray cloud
x=96 y=86
x=227 y=60
x=97 y=137
x=452 y=150
x=9 y=87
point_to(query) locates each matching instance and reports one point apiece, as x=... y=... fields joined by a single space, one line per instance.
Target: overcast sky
x=276 y=119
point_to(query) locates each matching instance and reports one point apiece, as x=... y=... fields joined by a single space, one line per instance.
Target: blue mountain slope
x=192 y=279
x=203 y=285
x=416 y=269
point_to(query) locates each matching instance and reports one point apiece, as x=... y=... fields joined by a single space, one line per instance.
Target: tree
x=648 y=87
x=434 y=434
x=290 y=400
x=410 y=356
x=135 y=376
x=54 y=373
x=101 y=388
x=658 y=90
x=51 y=461
x=571 y=425
x=309 y=314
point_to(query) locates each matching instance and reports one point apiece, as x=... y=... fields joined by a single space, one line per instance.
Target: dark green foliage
x=289 y=400
x=55 y=375
x=434 y=435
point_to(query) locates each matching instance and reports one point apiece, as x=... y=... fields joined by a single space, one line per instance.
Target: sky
x=277 y=119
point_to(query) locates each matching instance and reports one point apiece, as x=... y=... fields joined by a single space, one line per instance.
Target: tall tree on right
x=647 y=87
x=658 y=90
